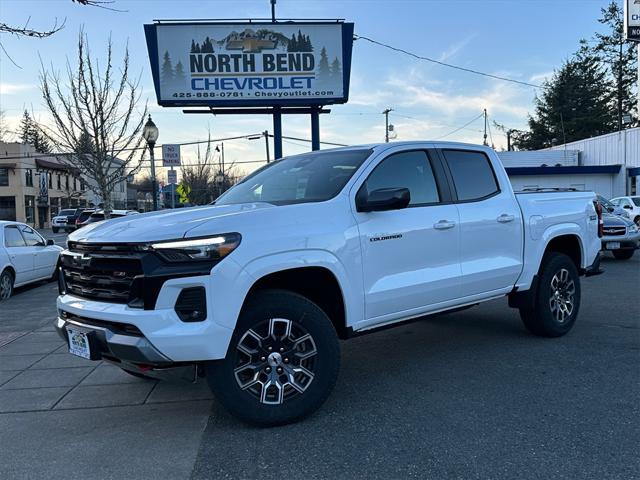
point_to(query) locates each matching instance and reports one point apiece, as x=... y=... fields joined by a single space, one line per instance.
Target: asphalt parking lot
x=463 y=395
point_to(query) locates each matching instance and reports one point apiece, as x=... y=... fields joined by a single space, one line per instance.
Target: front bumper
x=113 y=341
x=163 y=338
x=627 y=242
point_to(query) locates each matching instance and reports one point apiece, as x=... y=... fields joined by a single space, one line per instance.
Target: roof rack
x=549 y=189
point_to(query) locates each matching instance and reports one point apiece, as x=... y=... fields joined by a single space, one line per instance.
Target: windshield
x=636 y=200
x=310 y=177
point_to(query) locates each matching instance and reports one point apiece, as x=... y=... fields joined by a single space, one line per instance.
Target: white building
x=608 y=164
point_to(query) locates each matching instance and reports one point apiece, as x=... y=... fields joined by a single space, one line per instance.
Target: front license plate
x=613 y=245
x=78 y=343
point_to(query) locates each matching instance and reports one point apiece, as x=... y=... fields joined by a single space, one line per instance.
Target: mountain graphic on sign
x=255 y=41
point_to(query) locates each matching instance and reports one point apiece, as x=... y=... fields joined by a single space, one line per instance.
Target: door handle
x=444 y=225
x=504 y=218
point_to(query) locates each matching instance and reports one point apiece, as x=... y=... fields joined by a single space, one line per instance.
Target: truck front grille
x=103 y=272
x=612 y=231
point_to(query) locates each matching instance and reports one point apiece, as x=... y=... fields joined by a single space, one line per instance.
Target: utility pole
x=484 y=141
x=620 y=88
x=385 y=112
x=509 y=140
x=266 y=143
x=273 y=11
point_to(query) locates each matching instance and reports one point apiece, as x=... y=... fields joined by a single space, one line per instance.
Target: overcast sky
x=524 y=40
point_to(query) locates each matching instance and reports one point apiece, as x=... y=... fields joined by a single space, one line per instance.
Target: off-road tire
x=623 y=254
x=557 y=273
x=311 y=346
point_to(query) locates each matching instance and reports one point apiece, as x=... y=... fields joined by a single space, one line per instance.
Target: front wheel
x=282 y=363
x=623 y=254
x=557 y=299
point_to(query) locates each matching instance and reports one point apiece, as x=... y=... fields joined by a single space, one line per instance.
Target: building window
x=8 y=208
x=4 y=177
x=29 y=177
x=29 y=209
x=75 y=184
x=59 y=184
x=82 y=185
x=66 y=182
x=50 y=175
x=64 y=202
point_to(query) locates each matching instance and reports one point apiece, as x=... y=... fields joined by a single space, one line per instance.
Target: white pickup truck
x=255 y=290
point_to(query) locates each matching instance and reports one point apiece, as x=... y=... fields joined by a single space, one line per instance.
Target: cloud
x=454 y=48
x=13 y=88
x=499 y=98
x=541 y=77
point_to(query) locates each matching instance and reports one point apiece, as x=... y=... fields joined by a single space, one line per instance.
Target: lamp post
x=150 y=134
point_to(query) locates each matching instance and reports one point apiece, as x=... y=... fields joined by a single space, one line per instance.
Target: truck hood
x=162 y=225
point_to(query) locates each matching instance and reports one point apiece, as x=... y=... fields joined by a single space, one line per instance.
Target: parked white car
x=631 y=205
x=25 y=257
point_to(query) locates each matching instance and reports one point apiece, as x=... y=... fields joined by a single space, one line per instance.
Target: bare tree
x=95 y=119
x=198 y=177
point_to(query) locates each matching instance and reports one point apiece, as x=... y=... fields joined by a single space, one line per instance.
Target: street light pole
x=266 y=143
x=150 y=134
x=385 y=112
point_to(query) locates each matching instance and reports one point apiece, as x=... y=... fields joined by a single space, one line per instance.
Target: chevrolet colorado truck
x=255 y=291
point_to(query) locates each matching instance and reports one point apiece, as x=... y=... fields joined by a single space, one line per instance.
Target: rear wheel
x=557 y=299
x=6 y=285
x=623 y=254
x=282 y=362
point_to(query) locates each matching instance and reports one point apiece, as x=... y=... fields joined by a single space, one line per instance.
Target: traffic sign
x=172 y=177
x=170 y=155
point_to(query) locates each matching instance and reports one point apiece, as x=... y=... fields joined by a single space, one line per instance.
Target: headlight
x=625 y=214
x=632 y=228
x=198 y=249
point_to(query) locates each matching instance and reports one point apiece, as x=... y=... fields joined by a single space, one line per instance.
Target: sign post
x=632 y=31
x=225 y=66
x=171 y=158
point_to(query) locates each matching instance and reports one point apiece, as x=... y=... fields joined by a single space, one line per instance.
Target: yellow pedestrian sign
x=184 y=191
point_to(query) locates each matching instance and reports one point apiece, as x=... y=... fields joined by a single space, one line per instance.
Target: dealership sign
x=632 y=20
x=250 y=64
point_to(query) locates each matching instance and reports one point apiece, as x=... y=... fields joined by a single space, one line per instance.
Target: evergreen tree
x=324 y=71
x=167 y=68
x=85 y=144
x=292 y=45
x=336 y=71
x=193 y=46
x=620 y=59
x=575 y=104
x=179 y=72
x=30 y=133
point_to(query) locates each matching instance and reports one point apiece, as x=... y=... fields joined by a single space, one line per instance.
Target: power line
x=460 y=128
x=444 y=64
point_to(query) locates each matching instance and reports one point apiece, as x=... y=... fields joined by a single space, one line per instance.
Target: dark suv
x=81 y=218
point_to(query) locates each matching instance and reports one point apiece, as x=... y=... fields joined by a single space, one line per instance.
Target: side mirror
x=50 y=242
x=383 y=199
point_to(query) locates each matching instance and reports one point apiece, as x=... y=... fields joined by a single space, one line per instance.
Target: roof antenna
x=273 y=11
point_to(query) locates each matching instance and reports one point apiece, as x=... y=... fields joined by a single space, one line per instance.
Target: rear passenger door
x=491 y=237
x=20 y=256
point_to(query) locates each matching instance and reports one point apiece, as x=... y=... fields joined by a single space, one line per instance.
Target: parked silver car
x=621 y=236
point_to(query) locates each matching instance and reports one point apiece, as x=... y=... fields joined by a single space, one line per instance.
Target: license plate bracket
x=81 y=342
x=613 y=245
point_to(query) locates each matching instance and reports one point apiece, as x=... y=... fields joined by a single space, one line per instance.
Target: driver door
x=411 y=256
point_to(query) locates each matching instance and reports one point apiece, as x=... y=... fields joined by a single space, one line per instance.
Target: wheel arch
x=317 y=283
